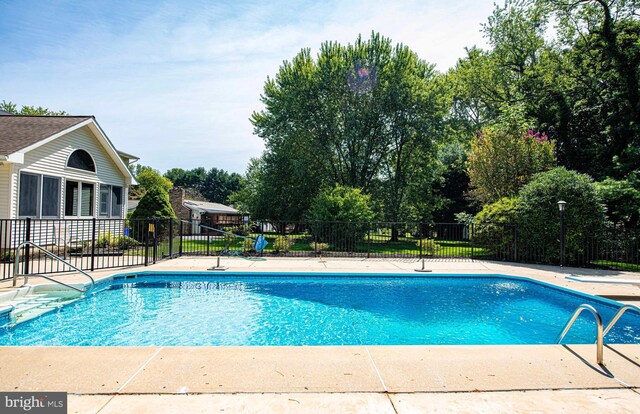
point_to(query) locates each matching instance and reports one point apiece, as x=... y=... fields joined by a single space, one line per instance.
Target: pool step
x=33 y=305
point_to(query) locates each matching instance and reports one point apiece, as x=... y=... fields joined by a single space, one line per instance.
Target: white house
x=60 y=167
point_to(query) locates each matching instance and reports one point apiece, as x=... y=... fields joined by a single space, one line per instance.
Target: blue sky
x=175 y=82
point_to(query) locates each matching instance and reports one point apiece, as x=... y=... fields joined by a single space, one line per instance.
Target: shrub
x=503 y=159
x=622 y=200
x=282 y=244
x=228 y=237
x=103 y=240
x=341 y=216
x=584 y=215
x=7 y=256
x=124 y=242
x=319 y=247
x=429 y=247
x=247 y=245
x=494 y=225
x=154 y=204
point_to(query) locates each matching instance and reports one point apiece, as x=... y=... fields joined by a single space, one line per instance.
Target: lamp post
x=561 y=206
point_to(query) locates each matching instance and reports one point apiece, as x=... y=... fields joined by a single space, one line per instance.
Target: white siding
x=51 y=159
x=5 y=190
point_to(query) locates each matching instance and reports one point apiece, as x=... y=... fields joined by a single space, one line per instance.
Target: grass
x=607 y=264
x=405 y=246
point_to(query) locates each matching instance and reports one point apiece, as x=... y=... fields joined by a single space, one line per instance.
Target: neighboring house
x=60 y=167
x=204 y=212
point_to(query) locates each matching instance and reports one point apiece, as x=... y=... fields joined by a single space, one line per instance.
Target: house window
x=78 y=199
x=39 y=196
x=29 y=200
x=116 y=201
x=81 y=160
x=105 y=194
x=50 y=196
x=110 y=201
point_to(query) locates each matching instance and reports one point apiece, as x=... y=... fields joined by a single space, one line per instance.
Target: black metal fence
x=107 y=243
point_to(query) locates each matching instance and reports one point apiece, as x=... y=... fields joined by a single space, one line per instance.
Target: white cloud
x=178 y=87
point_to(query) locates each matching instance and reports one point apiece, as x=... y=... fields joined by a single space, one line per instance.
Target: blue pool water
x=298 y=309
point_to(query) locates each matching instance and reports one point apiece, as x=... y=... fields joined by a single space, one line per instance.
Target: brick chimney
x=176 y=198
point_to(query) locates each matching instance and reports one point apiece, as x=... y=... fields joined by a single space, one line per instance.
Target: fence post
x=208 y=243
x=93 y=244
x=155 y=240
x=420 y=238
x=181 y=235
x=171 y=237
x=146 y=242
x=473 y=241
x=515 y=243
x=369 y=240
x=27 y=253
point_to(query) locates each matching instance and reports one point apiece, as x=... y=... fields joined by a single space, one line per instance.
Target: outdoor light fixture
x=561 y=206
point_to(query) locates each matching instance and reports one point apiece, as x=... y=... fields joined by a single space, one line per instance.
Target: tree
x=219 y=185
x=622 y=199
x=579 y=83
x=360 y=116
x=502 y=160
x=150 y=178
x=584 y=216
x=155 y=203
x=340 y=216
x=12 y=108
x=214 y=185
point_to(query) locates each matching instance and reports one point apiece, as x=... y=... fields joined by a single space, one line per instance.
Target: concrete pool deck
x=385 y=379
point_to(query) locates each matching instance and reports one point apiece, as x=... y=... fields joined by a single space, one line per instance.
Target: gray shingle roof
x=209 y=207
x=20 y=131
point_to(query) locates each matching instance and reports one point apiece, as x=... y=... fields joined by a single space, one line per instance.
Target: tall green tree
x=360 y=115
x=578 y=83
x=214 y=185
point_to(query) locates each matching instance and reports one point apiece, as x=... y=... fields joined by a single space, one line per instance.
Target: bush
x=124 y=242
x=282 y=244
x=319 y=247
x=503 y=159
x=247 y=245
x=7 y=256
x=584 y=215
x=341 y=216
x=104 y=240
x=494 y=225
x=429 y=247
x=228 y=237
x=622 y=200
x=154 y=204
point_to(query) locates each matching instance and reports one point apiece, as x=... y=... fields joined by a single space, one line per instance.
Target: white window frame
x=80 y=184
x=110 y=200
x=95 y=166
x=40 y=198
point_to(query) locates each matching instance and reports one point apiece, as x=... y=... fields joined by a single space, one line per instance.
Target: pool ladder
x=601 y=332
x=17 y=274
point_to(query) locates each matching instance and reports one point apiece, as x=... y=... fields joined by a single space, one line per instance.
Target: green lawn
x=302 y=243
x=631 y=267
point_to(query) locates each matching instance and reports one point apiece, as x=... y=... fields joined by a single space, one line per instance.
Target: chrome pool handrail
x=599 y=334
x=618 y=314
x=17 y=274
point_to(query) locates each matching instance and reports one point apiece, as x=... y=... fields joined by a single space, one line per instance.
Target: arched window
x=81 y=160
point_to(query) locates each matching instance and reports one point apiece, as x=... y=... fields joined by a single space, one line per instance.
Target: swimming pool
x=180 y=309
